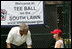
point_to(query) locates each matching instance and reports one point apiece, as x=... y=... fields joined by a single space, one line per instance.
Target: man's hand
x=29 y=46
x=8 y=45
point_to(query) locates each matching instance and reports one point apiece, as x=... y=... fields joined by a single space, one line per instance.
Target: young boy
x=57 y=34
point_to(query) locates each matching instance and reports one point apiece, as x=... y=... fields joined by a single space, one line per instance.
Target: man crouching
x=18 y=36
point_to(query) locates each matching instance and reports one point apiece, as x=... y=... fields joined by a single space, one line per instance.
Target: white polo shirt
x=57 y=42
x=15 y=38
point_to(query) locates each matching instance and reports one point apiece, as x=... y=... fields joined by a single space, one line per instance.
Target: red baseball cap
x=57 y=31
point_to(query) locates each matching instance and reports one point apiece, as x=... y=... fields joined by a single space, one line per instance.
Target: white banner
x=16 y=12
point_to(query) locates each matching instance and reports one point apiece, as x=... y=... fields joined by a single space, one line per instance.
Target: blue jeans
x=21 y=46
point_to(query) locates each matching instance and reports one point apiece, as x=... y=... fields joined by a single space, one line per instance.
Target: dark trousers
x=21 y=46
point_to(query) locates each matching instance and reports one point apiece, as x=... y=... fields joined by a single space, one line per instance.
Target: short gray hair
x=23 y=26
